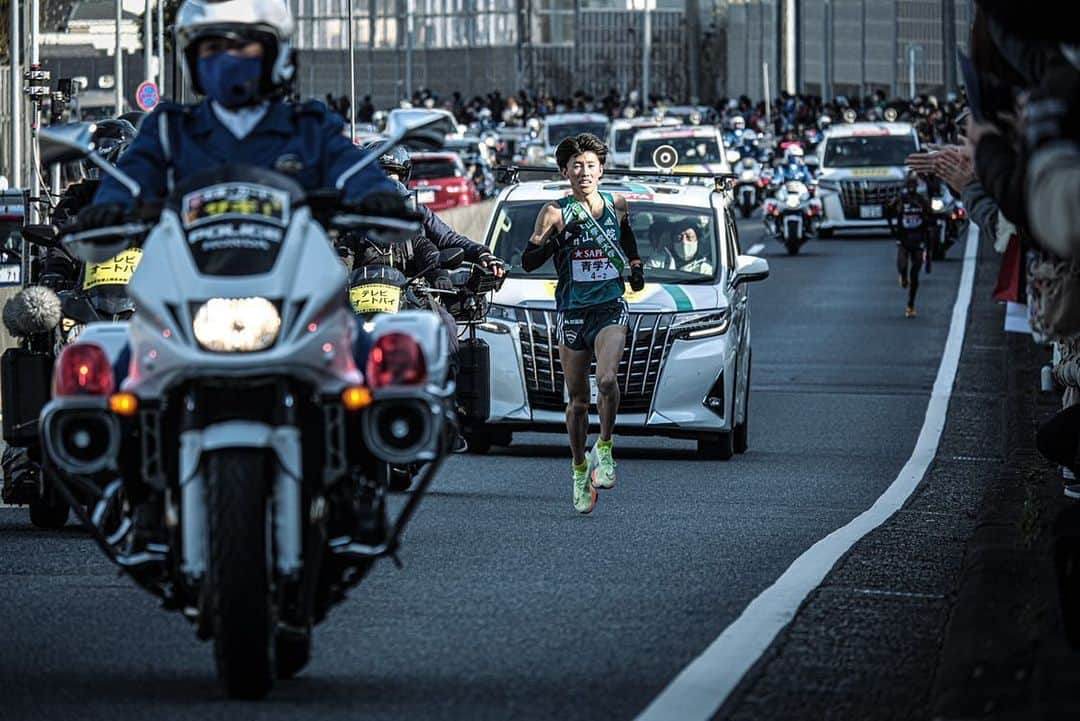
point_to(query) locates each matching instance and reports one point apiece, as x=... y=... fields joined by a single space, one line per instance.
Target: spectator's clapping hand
x=954 y=165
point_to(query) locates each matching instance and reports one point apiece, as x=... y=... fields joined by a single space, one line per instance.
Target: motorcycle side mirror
x=68 y=142
x=47 y=236
x=451 y=258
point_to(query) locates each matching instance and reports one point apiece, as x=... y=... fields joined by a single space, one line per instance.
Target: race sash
x=606 y=243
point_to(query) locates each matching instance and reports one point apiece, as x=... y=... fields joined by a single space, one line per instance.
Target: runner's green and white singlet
x=590 y=271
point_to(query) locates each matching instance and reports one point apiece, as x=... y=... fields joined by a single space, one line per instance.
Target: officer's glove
x=637 y=277
x=440 y=280
x=100 y=216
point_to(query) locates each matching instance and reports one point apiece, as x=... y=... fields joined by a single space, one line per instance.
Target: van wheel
x=718 y=447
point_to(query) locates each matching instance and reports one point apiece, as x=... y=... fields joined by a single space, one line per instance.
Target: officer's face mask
x=231 y=80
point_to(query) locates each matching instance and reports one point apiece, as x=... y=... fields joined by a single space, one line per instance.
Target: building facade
x=872 y=45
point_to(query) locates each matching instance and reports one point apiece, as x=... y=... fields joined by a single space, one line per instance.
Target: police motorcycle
x=791 y=216
x=244 y=438
x=65 y=295
x=950 y=222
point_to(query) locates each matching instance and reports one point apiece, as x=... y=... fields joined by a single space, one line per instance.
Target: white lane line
x=700 y=689
x=756 y=248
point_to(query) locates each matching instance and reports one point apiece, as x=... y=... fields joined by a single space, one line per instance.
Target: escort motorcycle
x=239 y=452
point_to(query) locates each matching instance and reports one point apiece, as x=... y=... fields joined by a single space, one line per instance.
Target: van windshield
x=863 y=151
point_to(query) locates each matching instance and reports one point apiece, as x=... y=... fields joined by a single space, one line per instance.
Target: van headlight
x=502 y=312
x=702 y=325
x=236 y=325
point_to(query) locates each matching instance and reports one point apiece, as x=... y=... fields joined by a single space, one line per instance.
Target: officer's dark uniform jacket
x=303 y=141
x=443 y=236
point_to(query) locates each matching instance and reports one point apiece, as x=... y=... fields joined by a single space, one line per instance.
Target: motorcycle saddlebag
x=474 y=380
x=25 y=378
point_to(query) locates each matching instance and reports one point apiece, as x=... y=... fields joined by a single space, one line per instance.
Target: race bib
x=592 y=265
x=116 y=271
x=375 y=298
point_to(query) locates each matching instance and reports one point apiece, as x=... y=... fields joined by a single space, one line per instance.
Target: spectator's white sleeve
x=1053 y=192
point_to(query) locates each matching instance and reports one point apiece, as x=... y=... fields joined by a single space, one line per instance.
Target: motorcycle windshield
x=110 y=300
x=235 y=218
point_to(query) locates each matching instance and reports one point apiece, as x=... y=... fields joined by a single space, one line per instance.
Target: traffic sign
x=147 y=96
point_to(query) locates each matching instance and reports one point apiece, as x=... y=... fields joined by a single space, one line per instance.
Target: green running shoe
x=584 y=494
x=601 y=467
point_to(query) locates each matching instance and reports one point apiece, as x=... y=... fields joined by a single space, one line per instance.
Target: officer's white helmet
x=738 y=122
x=794 y=151
x=267 y=21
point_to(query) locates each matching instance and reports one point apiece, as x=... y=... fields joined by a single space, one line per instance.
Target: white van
x=861 y=170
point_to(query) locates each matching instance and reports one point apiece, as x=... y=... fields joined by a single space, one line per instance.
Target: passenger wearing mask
x=689 y=256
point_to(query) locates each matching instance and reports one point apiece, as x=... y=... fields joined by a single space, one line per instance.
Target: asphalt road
x=511 y=605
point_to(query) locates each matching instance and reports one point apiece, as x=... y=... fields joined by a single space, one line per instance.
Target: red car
x=441 y=181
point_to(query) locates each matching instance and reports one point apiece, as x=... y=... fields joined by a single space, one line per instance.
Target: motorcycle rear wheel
x=243 y=612
x=792 y=247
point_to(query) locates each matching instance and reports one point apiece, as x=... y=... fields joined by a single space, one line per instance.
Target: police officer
x=239 y=56
x=910 y=220
x=397 y=164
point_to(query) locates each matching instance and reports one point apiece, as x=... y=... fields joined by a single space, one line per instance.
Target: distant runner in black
x=910 y=220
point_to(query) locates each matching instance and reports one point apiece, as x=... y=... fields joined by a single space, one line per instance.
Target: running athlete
x=589 y=235
x=910 y=219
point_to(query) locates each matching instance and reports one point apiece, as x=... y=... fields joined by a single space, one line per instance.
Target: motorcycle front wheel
x=243 y=613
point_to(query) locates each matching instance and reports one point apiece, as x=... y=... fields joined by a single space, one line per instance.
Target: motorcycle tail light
x=960 y=212
x=396 y=359
x=82 y=369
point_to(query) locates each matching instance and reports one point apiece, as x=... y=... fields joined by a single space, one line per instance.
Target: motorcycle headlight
x=502 y=312
x=702 y=325
x=236 y=325
x=792 y=201
x=937 y=205
x=747 y=175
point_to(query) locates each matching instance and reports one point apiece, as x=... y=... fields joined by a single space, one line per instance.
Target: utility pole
x=119 y=71
x=352 y=74
x=161 y=47
x=912 y=51
x=646 y=57
x=948 y=38
x=15 y=169
x=827 y=73
x=148 y=41
x=790 y=28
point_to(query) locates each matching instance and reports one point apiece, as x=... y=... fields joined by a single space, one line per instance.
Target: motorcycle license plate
x=594 y=393
x=10 y=274
x=425 y=196
x=116 y=271
x=375 y=298
x=870 y=211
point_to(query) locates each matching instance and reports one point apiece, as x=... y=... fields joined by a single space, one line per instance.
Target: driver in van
x=687 y=250
x=240 y=58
